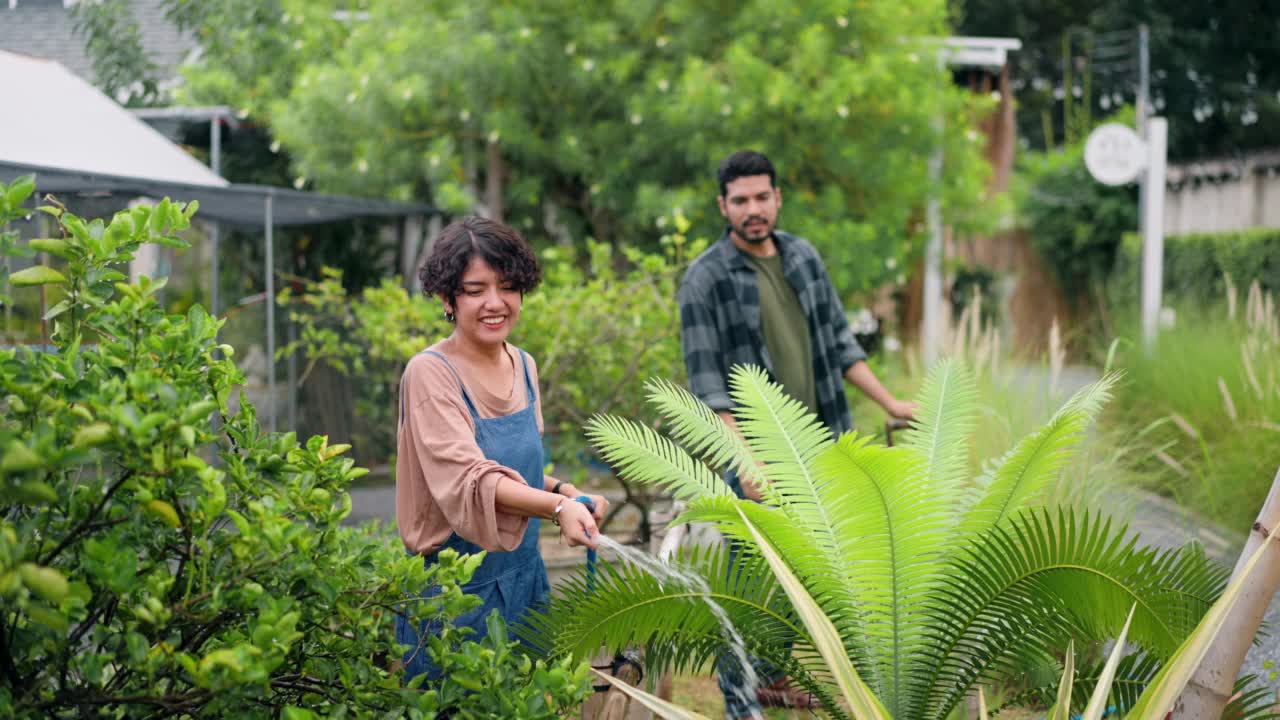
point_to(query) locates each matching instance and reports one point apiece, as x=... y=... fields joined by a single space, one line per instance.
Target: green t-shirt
x=785 y=329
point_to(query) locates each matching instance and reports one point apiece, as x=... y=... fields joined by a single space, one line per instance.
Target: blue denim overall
x=509 y=581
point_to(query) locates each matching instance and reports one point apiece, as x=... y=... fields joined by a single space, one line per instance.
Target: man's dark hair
x=502 y=247
x=744 y=163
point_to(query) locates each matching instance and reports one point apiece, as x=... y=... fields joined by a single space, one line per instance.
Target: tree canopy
x=600 y=120
x=1215 y=67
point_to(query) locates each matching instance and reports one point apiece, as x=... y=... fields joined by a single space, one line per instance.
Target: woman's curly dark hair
x=502 y=247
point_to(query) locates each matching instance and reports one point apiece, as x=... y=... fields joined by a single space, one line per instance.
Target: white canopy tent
x=79 y=142
x=56 y=120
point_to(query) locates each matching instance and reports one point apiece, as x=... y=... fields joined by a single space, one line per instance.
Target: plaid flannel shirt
x=720 y=324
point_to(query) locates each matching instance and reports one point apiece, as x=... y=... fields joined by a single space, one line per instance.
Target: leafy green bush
x=593 y=340
x=1197 y=266
x=155 y=563
x=1075 y=222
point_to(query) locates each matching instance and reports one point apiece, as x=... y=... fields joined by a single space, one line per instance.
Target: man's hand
x=901 y=409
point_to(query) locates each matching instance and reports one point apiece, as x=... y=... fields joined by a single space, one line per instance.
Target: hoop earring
x=450 y=317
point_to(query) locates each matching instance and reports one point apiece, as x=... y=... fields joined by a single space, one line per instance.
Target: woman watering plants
x=469 y=470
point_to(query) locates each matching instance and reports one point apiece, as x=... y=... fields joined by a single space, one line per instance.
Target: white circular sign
x=1114 y=154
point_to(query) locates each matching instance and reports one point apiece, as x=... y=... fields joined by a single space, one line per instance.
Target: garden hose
x=591 y=554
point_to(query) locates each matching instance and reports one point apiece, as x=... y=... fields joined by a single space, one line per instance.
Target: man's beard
x=743 y=233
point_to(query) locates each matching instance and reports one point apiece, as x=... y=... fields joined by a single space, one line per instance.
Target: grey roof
x=243 y=205
x=79 y=142
x=46 y=29
x=68 y=123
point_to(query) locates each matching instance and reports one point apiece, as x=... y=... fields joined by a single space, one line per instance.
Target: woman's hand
x=577 y=526
x=601 y=506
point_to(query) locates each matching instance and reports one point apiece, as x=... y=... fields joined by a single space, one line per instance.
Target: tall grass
x=1018 y=395
x=1207 y=398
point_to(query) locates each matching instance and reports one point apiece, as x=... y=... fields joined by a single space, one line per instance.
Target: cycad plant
x=931 y=580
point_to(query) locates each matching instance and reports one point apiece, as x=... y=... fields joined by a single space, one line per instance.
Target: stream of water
x=668 y=574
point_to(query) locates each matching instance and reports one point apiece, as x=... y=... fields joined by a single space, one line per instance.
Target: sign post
x=1115 y=155
x=1153 y=230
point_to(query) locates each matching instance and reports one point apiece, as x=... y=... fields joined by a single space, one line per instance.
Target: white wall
x=1221 y=195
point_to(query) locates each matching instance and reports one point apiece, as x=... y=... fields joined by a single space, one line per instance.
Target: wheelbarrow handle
x=891 y=425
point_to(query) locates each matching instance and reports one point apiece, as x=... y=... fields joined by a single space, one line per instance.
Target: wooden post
x=1210 y=688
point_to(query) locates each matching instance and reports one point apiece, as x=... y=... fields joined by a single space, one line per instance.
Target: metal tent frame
x=248 y=206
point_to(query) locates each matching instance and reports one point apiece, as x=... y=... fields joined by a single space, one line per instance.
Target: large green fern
x=933 y=580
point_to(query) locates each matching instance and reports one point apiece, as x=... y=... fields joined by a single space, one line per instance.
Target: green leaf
x=1061 y=709
x=19 y=458
x=53 y=246
x=1098 y=700
x=171 y=241
x=36 y=275
x=19 y=190
x=164 y=512
x=1025 y=471
x=1160 y=696
x=35 y=492
x=948 y=411
x=643 y=456
x=160 y=217
x=58 y=308
x=92 y=435
x=46 y=582
x=865 y=705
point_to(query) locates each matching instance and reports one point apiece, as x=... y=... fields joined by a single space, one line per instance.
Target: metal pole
x=8 y=307
x=1143 y=110
x=215 y=235
x=291 y=330
x=931 y=323
x=271 y=315
x=1153 y=227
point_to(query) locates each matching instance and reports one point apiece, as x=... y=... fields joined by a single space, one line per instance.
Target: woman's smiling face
x=487 y=306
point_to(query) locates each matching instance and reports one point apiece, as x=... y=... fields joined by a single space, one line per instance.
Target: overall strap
x=531 y=391
x=475 y=414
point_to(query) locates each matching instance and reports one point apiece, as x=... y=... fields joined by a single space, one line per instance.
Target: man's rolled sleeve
x=701 y=344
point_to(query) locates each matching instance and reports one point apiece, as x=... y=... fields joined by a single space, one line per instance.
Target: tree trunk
x=494 y=176
x=410 y=245
x=1211 y=687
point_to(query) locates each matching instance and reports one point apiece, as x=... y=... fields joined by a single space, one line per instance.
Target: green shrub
x=1074 y=222
x=153 y=563
x=1196 y=266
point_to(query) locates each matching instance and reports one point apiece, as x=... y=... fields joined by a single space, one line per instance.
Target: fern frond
x=779 y=430
x=948 y=406
x=1132 y=676
x=887 y=538
x=701 y=431
x=642 y=455
x=1037 y=579
x=823 y=576
x=1024 y=472
x=624 y=606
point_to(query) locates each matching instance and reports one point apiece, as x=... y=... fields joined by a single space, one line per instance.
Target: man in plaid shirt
x=763 y=297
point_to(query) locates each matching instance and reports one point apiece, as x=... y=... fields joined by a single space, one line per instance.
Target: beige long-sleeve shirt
x=444 y=483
